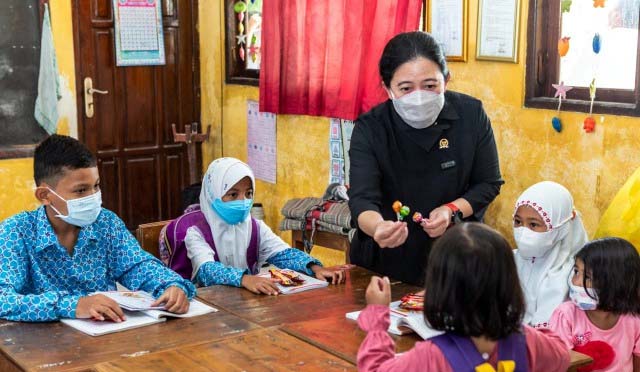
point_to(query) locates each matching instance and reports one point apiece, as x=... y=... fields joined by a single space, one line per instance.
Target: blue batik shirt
x=40 y=281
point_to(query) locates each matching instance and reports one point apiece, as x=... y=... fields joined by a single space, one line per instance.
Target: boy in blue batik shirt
x=52 y=258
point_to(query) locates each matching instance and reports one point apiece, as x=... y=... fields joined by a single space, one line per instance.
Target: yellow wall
x=16 y=188
x=593 y=166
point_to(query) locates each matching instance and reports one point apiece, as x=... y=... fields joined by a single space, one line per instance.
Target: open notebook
x=404 y=321
x=308 y=284
x=137 y=310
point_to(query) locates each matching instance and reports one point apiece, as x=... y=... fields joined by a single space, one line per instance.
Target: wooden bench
x=324 y=239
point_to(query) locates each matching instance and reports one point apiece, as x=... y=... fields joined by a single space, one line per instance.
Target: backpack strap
x=460 y=352
x=514 y=347
x=463 y=355
x=252 y=250
x=177 y=231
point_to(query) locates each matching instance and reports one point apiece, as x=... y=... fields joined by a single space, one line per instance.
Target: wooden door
x=142 y=170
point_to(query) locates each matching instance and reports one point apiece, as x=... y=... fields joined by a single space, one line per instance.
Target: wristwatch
x=456 y=213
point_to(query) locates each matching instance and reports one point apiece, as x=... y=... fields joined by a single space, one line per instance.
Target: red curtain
x=320 y=57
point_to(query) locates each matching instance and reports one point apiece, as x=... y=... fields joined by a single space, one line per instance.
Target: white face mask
x=420 y=108
x=581 y=298
x=81 y=212
x=532 y=243
x=536 y=244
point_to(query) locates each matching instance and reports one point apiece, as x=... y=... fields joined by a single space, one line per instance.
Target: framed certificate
x=498 y=24
x=447 y=21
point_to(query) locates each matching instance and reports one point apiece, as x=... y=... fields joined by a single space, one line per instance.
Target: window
x=616 y=68
x=21 y=22
x=243 y=41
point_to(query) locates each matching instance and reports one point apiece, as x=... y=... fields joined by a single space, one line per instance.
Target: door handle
x=88 y=96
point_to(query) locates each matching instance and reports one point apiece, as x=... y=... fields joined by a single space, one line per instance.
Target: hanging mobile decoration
x=598 y=3
x=240 y=7
x=561 y=92
x=253 y=49
x=565 y=6
x=589 y=124
x=596 y=43
x=563 y=46
x=561 y=89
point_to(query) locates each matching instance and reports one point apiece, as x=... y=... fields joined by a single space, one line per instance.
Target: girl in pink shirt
x=474 y=296
x=602 y=319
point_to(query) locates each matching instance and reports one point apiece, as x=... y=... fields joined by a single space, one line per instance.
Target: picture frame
x=448 y=22
x=498 y=30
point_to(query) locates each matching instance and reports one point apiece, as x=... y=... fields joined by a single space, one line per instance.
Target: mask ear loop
x=51 y=204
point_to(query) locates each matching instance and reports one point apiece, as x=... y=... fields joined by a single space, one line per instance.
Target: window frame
x=235 y=70
x=543 y=33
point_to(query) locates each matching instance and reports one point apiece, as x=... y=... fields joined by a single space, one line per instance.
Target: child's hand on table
x=99 y=307
x=174 y=300
x=258 y=284
x=332 y=276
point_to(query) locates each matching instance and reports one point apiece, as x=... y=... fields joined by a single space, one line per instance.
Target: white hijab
x=231 y=241
x=544 y=279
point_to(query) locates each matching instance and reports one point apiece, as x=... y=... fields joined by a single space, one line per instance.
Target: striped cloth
x=299 y=212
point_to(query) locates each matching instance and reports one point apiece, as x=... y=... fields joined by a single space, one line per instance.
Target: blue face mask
x=81 y=212
x=233 y=212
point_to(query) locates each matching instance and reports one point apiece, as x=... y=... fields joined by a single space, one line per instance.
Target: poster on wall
x=339 y=143
x=261 y=142
x=138 y=33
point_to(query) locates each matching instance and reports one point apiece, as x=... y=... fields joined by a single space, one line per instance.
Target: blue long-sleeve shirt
x=40 y=281
x=218 y=273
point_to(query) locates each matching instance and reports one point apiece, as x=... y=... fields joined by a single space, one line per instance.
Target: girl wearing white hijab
x=225 y=200
x=548 y=232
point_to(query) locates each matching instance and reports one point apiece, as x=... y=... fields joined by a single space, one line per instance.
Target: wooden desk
x=332 y=301
x=261 y=350
x=58 y=347
x=324 y=239
x=322 y=334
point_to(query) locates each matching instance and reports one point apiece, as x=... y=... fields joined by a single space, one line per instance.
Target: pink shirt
x=575 y=329
x=545 y=351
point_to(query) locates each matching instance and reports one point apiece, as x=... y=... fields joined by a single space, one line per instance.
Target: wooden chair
x=148 y=234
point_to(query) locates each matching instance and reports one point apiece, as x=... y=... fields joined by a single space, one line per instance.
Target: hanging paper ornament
x=254 y=39
x=241 y=39
x=241 y=53
x=589 y=124
x=592 y=89
x=240 y=7
x=561 y=93
x=563 y=46
x=240 y=28
x=596 y=43
x=240 y=17
x=565 y=6
x=598 y=3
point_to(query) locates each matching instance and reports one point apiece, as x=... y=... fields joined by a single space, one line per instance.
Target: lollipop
x=417 y=217
x=402 y=211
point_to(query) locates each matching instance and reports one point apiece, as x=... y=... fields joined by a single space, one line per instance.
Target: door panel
x=141 y=169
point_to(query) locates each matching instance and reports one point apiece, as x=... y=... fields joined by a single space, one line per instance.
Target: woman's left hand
x=438 y=221
x=332 y=276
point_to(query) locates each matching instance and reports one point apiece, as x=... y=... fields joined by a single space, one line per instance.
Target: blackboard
x=19 y=62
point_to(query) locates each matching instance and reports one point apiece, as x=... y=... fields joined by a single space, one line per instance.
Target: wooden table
x=322 y=334
x=262 y=350
x=56 y=347
x=332 y=301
